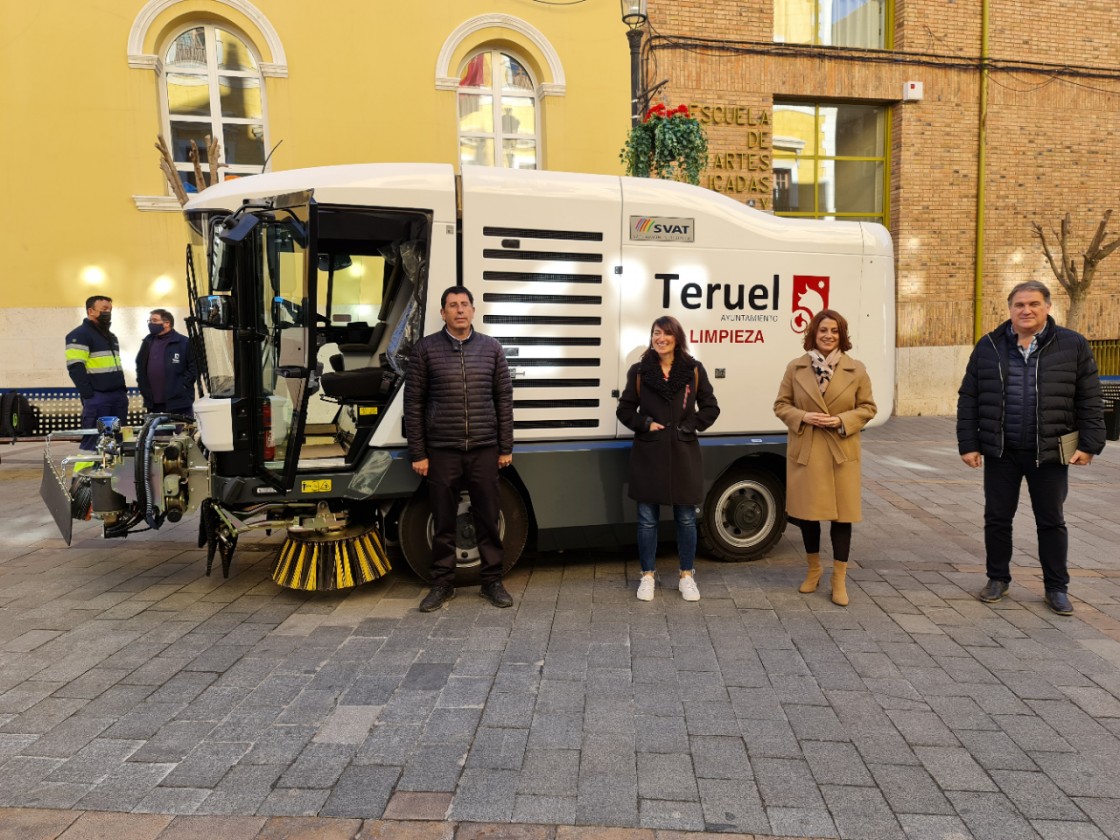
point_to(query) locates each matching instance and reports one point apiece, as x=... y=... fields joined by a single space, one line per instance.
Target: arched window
x=498 y=112
x=212 y=85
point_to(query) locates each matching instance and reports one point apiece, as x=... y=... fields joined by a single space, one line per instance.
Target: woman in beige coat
x=825 y=400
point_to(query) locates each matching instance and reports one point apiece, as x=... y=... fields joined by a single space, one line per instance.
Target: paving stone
x=1032 y=734
x=485 y=796
x=361 y=791
x=861 y=812
x=910 y=790
x=991 y=816
x=125 y=787
x=607 y=800
x=732 y=805
x=720 y=757
x=205 y=765
x=212 y=828
x=293 y=802
x=318 y=766
x=954 y=769
x=666 y=776
x=498 y=749
x=995 y=751
x=1036 y=797
x=786 y=783
x=835 y=763
x=299 y=828
x=801 y=822
x=546 y=810
x=1061 y=830
x=926 y=827
x=1080 y=775
x=769 y=739
x=663 y=814
x=94 y=826
x=433 y=767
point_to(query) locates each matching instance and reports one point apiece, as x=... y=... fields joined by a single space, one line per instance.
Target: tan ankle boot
x=813 y=576
x=839 y=589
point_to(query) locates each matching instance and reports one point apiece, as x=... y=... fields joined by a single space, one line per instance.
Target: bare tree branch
x=167 y=165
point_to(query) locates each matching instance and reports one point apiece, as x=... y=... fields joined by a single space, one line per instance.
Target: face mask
x=105 y=319
x=155 y=329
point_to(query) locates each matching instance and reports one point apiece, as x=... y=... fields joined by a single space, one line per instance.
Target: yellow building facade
x=89 y=87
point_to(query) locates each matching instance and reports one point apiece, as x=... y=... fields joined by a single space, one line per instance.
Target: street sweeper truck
x=309 y=288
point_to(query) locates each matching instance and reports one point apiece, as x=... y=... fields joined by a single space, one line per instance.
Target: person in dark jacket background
x=667 y=400
x=165 y=368
x=93 y=360
x=1028 y=384
x=458 y=410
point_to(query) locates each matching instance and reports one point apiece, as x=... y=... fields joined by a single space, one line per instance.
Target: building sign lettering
x=744 y=172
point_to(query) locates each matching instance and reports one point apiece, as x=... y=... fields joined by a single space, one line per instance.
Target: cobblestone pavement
x=194 y=706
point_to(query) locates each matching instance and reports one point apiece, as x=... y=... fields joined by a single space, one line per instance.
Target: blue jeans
x=648 y=515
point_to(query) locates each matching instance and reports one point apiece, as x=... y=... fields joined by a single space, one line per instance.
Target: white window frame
x=495 y=92
x=216 y=121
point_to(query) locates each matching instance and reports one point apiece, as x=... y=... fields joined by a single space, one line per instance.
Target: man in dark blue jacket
x=1029 y=406
x=93 y=360
x=165 y=369
x=458 y=411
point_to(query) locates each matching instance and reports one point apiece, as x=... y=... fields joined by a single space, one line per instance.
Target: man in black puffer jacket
x=1029 y=384
x=458 y=414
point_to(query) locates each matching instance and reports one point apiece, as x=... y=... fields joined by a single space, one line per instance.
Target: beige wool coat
x=822 y=466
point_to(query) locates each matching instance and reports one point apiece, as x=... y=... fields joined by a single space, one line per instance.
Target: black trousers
x=1048 y=485
x=840 y=532
x=451 y=471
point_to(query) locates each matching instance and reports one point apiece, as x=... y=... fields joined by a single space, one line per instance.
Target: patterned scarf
x=824 y=366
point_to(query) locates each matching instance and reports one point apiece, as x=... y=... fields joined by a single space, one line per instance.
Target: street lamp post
x=635 y=17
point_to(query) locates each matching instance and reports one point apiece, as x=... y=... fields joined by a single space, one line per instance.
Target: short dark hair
x=668 y=324
x=93 y=299
x=810 y=342
x=455 y=290
x=1030 y=286
x=164 y=315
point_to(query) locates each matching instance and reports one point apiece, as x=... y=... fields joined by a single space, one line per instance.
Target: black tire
x=744 y=514
x=416 y=534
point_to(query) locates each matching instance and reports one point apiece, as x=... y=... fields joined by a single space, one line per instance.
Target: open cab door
x=258 y=326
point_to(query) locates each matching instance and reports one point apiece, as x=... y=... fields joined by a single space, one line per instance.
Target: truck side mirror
x=215 y=311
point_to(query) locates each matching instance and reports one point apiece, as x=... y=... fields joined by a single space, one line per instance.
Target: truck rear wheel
x=744 y=514
x=416 y=532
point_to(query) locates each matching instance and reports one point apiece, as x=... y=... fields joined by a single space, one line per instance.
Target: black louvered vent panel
x=527 y=341
x=556 y=383
x=538 y=277
x=555 y=403
x=584 y=300
x=531 y=233
x=555 y=424
x=555 y=320
x=519 y=362
x=559 y=256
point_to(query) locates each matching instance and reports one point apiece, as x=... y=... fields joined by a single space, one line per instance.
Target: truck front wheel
x=417 y=529
x=744 y=514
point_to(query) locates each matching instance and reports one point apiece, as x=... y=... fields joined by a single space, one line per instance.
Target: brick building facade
x=1048 y=140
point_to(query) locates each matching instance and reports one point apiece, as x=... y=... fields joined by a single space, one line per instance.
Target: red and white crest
x=810 y=296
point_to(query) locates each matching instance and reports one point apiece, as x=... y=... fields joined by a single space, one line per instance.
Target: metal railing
x=1107 y=353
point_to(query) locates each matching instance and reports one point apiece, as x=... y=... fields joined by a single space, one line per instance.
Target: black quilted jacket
x=458 y=395
x=1069 y=394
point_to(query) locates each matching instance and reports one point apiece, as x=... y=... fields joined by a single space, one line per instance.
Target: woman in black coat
x=668 y=399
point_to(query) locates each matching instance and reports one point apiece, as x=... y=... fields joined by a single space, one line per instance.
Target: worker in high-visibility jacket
x=93 y=360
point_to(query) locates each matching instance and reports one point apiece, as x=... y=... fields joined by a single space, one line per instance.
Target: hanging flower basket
x=668 y=143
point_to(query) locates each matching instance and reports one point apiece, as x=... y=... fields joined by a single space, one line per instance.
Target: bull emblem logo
x=810 y=296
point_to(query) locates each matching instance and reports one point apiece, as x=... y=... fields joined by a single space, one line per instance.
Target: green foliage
x=667 y=143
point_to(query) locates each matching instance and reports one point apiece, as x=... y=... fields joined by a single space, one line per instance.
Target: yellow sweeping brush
x=311 y=561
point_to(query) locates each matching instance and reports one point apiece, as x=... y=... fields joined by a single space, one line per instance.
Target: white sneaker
x=688 y=589
x=645 y=588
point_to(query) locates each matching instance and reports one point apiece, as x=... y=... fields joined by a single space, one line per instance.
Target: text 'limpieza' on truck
x=310 y=287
